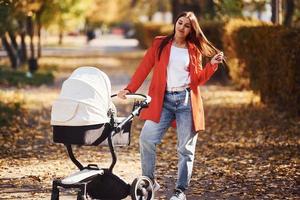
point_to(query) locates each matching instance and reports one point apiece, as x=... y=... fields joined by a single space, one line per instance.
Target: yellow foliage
x=11 y=97
x=237 y=67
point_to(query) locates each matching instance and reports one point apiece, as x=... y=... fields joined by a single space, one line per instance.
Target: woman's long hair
x=196 y=36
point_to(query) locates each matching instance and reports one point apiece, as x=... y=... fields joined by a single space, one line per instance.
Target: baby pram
x=84 y=114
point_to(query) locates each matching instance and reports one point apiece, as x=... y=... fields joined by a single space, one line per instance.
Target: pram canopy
x=85 y=99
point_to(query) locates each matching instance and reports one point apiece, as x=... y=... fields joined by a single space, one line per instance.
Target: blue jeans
x=174 y=107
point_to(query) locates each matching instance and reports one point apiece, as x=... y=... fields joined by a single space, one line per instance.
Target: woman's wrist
x=127 y=90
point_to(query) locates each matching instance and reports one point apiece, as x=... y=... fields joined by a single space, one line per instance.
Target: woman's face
x=183 y=27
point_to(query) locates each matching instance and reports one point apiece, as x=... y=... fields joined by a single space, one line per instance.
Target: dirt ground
x=248 y=150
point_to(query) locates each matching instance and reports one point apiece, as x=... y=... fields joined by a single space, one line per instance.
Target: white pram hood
x=85 y=99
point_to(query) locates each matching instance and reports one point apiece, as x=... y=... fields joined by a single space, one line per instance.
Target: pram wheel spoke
x=142 y=189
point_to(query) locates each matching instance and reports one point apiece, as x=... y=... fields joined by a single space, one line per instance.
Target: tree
x=29 y=8
x=210 y=10
x=276 y=6
x=62 y=16
x=289 y=12
x=229 y=8
x=110 y=12
x=17 y=19
x=7 y=29
x=179 y=6
x=39 y=14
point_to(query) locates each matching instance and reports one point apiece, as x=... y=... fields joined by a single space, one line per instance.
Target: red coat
x=158 y=83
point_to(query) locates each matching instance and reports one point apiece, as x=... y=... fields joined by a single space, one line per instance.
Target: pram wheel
x=142 y=189
x=55 y=194
x=81 y=197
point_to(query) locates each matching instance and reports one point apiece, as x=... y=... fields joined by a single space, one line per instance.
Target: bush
x=238 y=71
x=271 y=55
x=19 y=78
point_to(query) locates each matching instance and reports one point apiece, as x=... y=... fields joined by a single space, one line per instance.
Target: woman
x=177 y=73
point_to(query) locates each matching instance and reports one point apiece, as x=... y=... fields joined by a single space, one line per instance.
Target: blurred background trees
x=31 y=17
x=28 y=18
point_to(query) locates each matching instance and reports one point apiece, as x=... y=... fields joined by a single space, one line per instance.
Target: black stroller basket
x=91 y=180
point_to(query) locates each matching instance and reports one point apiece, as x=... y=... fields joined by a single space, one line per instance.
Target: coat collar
x=191 y=46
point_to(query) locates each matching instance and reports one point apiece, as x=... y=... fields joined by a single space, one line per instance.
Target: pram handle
x=145 y=100
x=137 y=96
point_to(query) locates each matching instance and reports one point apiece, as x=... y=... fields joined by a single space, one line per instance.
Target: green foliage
x=5 y=10
x=229 y=8
x=65 y=15
x=19 y=78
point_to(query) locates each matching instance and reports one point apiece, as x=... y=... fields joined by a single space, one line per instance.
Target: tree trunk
x=10 y=52
x=13 y=40
x=31 y=47
x=175 y=9
x=273 y=10
x=23 y=56
x=23 y=48
x=276 y=17
x=15 y=47
x=196 y=8
x=289 y=12
x=30 y=30
x=60 y=37
x=32 y=62
x=39 y=28
x=180 y=6
x=39 y=47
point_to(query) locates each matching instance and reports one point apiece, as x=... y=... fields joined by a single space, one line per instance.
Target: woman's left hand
x=218 y=58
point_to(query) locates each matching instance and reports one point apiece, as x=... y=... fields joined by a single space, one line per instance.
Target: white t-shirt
x=177 y=70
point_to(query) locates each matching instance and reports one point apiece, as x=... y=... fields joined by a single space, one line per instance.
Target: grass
x=20 y=78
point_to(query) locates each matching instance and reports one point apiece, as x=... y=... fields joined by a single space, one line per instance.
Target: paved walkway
x=77 y=46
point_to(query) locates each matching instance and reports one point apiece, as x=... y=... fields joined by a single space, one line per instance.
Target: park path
x=247 y=152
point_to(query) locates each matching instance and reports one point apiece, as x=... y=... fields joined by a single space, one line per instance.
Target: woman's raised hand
x=121 y=94
x=218 y=58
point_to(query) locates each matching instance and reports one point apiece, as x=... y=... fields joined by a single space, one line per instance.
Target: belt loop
x=186 y=97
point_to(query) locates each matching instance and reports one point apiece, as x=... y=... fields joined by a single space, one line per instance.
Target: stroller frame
x=82 y=185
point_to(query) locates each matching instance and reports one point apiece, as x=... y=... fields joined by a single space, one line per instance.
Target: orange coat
x=158 y=83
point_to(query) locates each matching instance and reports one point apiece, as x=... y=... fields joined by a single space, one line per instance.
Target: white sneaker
x=178 y=195
x=156 y=186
